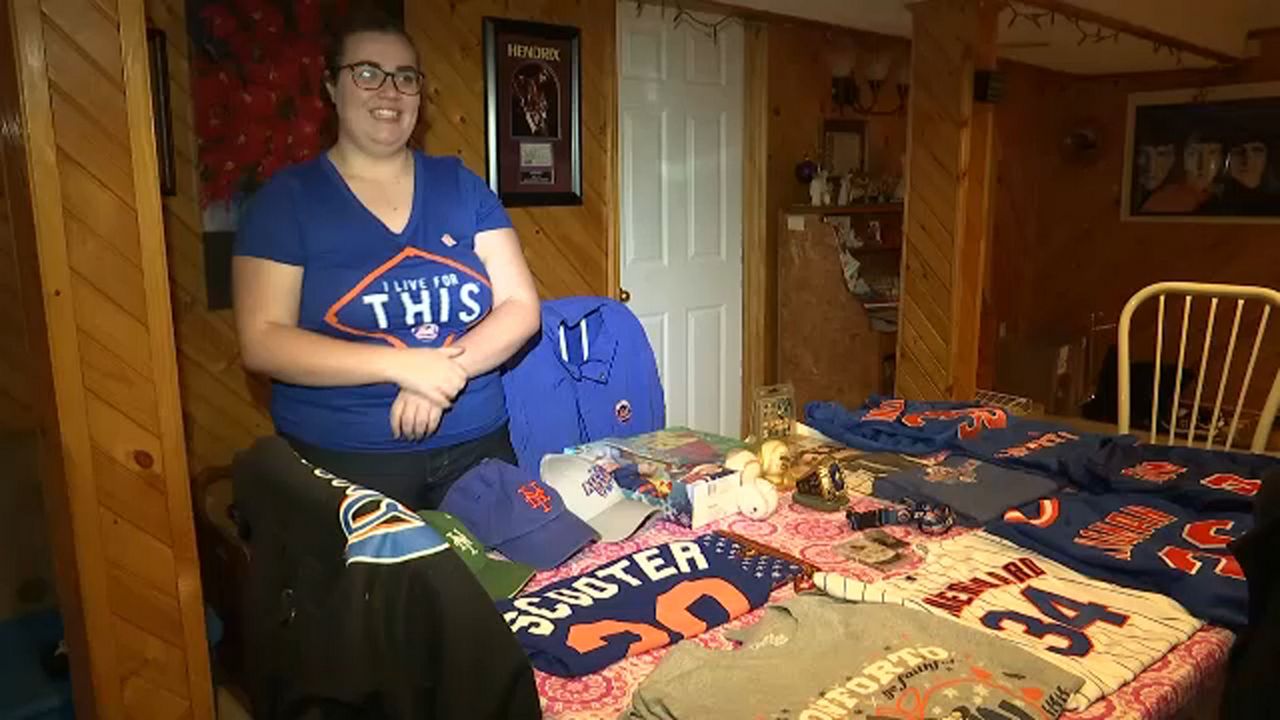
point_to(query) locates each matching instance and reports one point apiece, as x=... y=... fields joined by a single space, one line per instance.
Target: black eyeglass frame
x=385 y=74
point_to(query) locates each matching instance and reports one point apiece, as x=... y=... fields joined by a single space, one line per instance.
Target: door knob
x=623 y=295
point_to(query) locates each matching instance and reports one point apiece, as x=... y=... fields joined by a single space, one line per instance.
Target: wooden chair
x=1242 y=295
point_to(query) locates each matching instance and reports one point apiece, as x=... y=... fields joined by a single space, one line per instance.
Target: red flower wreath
x=258 y=89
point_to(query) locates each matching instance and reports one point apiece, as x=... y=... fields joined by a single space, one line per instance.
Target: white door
x=681 y=109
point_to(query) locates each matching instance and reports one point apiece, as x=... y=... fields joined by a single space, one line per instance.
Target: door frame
x=757 y=261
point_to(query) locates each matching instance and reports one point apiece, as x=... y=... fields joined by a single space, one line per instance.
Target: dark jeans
x=419 y=479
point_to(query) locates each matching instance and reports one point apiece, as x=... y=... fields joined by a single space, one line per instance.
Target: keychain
x=929 y=518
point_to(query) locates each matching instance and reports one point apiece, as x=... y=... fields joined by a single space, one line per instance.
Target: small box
x=678 y=470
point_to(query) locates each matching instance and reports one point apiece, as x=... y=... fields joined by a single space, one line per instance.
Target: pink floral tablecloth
x=1160 y=692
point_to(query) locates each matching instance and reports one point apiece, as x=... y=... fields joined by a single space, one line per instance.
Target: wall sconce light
x=846 y=93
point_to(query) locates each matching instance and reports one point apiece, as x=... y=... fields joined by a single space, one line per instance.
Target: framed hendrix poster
x=533 y=121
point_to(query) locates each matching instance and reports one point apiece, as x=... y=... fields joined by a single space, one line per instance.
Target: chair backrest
x=1242 y=294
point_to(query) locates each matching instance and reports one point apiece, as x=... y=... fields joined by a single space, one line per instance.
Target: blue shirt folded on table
x=988 y=433
x=976 y=491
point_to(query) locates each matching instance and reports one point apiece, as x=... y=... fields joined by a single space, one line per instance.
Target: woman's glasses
x=371 y=76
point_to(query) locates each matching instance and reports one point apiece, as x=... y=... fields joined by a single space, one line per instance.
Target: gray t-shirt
x=814 y=657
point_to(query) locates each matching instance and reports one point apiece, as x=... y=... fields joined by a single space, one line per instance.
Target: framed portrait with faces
x=1207 y=154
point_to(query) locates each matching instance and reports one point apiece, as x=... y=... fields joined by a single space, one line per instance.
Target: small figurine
x=757 y=499
x=846 y=189
x=819 y=189
x=775 y=462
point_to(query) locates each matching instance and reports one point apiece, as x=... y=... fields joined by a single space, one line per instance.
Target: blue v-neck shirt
x=422 y=287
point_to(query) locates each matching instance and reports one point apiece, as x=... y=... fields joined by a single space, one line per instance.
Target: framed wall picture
x=1203 y=155
x=844 y=146
x=158 y=63
x=533 y=124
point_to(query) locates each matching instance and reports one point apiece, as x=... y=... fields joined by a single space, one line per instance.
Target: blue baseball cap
x=517 y=514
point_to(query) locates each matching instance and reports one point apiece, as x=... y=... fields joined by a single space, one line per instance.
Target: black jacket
x=1251 y=670
x=355 y=608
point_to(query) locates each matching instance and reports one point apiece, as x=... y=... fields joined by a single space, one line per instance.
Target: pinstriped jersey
x=1104 y=633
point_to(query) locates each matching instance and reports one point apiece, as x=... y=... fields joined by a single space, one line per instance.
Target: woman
x=380 y=288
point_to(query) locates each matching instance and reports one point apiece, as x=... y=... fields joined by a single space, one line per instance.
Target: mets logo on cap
x=535 y=496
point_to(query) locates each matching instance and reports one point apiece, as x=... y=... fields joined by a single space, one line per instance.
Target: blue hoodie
x=590 y=374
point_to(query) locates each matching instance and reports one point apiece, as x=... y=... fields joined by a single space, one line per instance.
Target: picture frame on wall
x=158 y=65
x=533 y=112
x=1206 y=155
x=844 y=146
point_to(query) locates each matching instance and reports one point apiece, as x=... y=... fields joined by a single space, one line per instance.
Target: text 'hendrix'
x=533 y=52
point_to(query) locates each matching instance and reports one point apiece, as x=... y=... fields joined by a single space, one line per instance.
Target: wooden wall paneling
x=758 y=339
x=969 y=272
x=569 y=249
x=155 y=266
x=948 y=159
x=69 y=483
x=224 y=408
x=127 y=559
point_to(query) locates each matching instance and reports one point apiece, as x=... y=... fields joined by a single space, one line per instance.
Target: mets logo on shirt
x=623 y=411
x=1154 y=471
x=414 y=299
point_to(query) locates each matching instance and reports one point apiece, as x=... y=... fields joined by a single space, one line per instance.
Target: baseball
x=757 y=499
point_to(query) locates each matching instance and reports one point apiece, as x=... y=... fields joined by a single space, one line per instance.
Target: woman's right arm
x=266 y=295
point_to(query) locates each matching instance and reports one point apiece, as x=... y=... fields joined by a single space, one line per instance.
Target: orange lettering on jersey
x=588 y=637
x=978 y=419
x=962 y=594
x=887 y=411
x=1045 y=441
x=1048 y=514
x=1119 y=532
x=1204 y=533
x=1188 y=561
x=1233 y=484
x=954 y=604
x=672 y=607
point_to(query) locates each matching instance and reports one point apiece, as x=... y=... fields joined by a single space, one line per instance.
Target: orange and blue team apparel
x=423 y=287
x=646 y=600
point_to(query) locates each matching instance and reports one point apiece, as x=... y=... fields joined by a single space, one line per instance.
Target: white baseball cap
x=590 y=492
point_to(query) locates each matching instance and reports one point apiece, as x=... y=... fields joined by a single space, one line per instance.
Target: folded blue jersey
x=902 y=426
x=976 y=491
x=1144 y=541
x=1050 y=449
x=642 y=601
x=984 y=432
x=1199 y=479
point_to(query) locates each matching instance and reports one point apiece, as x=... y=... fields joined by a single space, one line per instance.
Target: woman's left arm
x=516 y=313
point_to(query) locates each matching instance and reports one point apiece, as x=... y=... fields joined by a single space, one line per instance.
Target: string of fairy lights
x=1090 y=33
x=681 y=16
